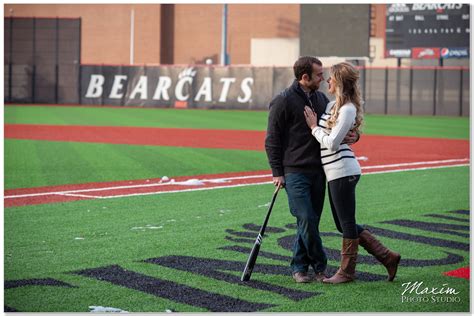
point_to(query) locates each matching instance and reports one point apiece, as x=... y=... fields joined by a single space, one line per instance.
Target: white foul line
x=413 y=169
x=133 y=186
x=188 y=190
x=79 y=195
x=74 y=192
x=416 y=163
x=266 y=182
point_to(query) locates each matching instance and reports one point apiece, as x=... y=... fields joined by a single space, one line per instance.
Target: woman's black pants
x=343 y=205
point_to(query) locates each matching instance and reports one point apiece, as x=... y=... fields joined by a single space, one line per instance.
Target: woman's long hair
x=346 y=90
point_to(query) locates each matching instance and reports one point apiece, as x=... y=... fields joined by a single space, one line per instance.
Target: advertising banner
x=399 y=53
x=454 y=52
x=426 y=53
x=180 y=86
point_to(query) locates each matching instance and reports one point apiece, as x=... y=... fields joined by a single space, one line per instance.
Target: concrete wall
x=284 y=51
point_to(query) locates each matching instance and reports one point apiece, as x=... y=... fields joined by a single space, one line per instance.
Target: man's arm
x=273 y=139
x=352 y=137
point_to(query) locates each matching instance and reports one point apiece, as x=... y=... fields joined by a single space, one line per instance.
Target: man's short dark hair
x=304 y=65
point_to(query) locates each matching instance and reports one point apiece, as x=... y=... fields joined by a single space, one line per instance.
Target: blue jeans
x=306 y=199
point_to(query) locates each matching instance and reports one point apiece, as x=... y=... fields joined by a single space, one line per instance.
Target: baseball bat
x=256 y=247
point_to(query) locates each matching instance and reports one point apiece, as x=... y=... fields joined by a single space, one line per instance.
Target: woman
x=343 y=172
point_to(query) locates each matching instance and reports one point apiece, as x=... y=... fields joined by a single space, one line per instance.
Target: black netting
x=375 y=91
x=423 y=91
x=466 y=92
x=42 y=60
x=398 y=93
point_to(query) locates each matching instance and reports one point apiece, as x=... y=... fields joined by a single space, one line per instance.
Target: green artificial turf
x=419 y=126
x=143 y=117
x=40 y=242
x=392 y=125
x=30 y=163
x=52 y=240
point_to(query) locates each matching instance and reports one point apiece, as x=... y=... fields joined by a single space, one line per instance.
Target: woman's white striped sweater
x=338 y=159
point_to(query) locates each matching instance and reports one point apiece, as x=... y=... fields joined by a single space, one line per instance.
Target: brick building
x=191 y=33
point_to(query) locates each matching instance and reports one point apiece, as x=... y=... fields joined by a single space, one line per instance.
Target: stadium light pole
x=224 y=60
x=132 y=38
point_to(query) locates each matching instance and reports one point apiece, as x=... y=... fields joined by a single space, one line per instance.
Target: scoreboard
x=427 y=30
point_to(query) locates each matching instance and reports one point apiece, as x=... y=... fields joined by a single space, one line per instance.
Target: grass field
x=185 y=251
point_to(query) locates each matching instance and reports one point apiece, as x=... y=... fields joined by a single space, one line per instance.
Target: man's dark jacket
x=289 y=144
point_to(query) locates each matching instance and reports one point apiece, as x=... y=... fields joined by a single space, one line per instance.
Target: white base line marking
x=413 y=169
x=188 y=190
x=74 y=192
x=266 y=182
x=416 y=163
x=133 y=186
x=80 y=195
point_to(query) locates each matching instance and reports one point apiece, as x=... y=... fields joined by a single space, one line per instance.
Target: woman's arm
x=345 y=121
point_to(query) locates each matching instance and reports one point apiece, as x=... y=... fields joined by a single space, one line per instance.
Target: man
x=295 y=159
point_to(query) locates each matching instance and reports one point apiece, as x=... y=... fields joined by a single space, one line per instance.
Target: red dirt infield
x=376 y=154
x=379 y=149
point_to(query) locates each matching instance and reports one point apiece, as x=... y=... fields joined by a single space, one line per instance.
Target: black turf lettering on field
x=465 y=212
x=437 y=242
x=263 y=254
x=241 y=234
x=330 y=234
x=293 y=226
x=366 y=259
x=173 y=291
x=435 y=227
x=209 y=268
x=11 y=284
x=241 y=240
x=451 y=218
x=330 y=270
x=214 y=268
x=334 y=254
x=39 y=282
x=451 y=258
x=287 y=243
x=269 y=229
x=8 y=309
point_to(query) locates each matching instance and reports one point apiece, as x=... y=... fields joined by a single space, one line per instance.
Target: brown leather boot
x=388 y=258
x=346 y=272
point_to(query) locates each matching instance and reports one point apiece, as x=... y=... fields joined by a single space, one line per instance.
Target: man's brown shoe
x=319 y=277
x=301 y=277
